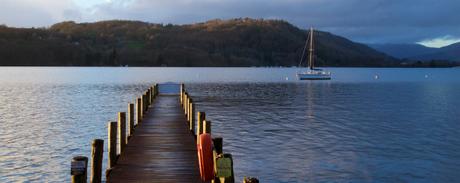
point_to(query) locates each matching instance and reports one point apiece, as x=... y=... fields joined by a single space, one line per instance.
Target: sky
x=433 y=23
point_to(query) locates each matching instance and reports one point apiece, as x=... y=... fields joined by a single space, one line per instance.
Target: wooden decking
x=162 y=148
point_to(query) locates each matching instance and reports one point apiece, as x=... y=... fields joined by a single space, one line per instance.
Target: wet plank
x=162 y=148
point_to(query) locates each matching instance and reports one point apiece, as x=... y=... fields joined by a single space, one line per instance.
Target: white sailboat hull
x=314 y=75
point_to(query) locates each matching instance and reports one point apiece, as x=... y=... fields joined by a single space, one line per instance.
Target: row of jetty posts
x=222 y=162
x=116 y=130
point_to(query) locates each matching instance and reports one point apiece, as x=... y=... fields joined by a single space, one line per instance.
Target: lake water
x=365 y=125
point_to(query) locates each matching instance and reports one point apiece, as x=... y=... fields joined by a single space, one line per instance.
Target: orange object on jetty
x=205 y=157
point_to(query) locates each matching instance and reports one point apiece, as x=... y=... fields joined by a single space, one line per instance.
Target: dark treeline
x=236 y=42
x=431 y=63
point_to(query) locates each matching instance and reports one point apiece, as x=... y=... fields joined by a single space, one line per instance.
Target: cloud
x=440 y=42
x=373 y=21
x=32 y=13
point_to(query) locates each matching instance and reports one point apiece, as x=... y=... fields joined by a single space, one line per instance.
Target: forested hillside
x=235 y=42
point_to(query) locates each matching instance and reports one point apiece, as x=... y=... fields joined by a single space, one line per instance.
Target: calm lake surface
x=365 y=125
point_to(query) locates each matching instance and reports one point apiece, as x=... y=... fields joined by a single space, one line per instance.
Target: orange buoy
x=205 y=157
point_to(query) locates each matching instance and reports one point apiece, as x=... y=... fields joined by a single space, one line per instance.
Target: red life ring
x=205 y=157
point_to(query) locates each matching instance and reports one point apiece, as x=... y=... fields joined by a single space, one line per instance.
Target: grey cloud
x=13 y=14
x=72 y=14
x=360 y=20
x=394 y=21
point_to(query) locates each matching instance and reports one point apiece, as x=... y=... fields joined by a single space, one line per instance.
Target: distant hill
x=449 y=53
x=403 y=51
x=235 y=42
x=418 y=52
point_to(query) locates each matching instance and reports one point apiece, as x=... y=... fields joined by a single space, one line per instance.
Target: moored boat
x=311 y=73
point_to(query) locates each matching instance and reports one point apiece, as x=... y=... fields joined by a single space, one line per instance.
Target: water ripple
x=356 y=130
x=339 y=133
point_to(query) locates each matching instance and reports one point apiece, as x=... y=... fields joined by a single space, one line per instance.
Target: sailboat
x=311 y=73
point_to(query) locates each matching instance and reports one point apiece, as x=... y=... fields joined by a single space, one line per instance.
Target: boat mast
x=310 y=51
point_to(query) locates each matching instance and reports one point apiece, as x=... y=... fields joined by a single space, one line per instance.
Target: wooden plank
x=162 y=149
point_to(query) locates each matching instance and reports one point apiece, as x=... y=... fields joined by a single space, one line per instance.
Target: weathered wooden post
x=143 y=98
x=152 y=94
x=147 y=97
x=206 y=126
x=96 y=160
x=217 y=152
x=78 y=169
x=189 y=113
x=183 y=100
x=189 y=108
x=187 y=101
x=130 y=120
x=141 y=108
x=218 y=145
x=112 y=144
x=138 y=111
x=146 y=101
x=152 y=89
x=192 y=117
x=200 y=117
x=186 y=104
x=122 y=131
x=156 y=89
x=181 y=91
x=144 y=108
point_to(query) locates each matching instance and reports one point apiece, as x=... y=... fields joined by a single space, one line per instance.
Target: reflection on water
x=44 y=125
x=305 y=132
x=402 y=127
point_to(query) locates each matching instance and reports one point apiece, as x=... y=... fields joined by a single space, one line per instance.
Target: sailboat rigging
x=311 y=73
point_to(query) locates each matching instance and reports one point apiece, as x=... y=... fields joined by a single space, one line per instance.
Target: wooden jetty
x=161 y=149
x=156 y=142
